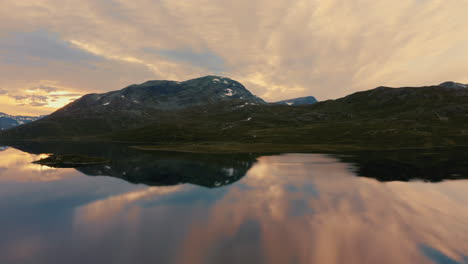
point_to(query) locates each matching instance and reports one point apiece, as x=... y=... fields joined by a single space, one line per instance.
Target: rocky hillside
x=161 y=96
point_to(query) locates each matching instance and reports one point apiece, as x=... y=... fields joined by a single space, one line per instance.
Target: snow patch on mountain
x=229 y=92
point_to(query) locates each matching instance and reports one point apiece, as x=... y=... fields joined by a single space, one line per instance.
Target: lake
x=163 y=207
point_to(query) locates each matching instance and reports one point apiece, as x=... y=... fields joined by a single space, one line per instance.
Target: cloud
x=279 y=49
x=204 y=59
x=41 y=96
x=32 y=100
x=38 y=104
x=44 y=88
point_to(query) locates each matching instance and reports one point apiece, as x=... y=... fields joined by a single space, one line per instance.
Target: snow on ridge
x=229 y=92
x=289 y=103
x=240 y=106
x=106 y=103
x=216 y=80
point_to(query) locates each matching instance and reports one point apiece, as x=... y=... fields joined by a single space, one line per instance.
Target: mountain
x=383 y=117
x=161 y=96
x=135 y=106
x=298 y=101
x=9 y=121
x=453 y=85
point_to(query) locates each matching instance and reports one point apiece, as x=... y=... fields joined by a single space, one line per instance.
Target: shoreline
x=235 y=147
x=270 y=148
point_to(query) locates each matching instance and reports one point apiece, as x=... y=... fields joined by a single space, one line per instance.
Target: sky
x=54 y=51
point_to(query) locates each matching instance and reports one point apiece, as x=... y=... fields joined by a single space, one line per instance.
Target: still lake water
x=197 y=208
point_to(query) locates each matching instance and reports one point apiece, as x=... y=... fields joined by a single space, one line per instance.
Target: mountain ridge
x=306 y=100
x=9 y=121
x=167 y=95
x=381 y=117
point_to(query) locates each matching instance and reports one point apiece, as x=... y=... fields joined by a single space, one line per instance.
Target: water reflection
x=154 y=168
x=431 y=166
x=292 y=208
x=215 y=170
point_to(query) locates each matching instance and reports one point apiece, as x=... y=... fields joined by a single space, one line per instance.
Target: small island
x=70 y=161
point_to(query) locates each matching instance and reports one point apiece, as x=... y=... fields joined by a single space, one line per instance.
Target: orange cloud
x=278 y=48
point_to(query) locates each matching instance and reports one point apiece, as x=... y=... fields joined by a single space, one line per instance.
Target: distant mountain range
x=214 y=110
x=298 y=101
x=9 y=121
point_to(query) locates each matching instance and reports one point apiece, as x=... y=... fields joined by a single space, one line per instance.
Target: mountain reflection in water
x=155 y=168
x=425 y=165
x=289 y=208
x=215 y=170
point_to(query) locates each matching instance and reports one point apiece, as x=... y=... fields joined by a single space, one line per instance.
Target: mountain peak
x=453 y=85
x=298 y=101
x=215 y=80
x=162 y=95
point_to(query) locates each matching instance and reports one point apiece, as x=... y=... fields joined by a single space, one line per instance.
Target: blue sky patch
x=40 y=46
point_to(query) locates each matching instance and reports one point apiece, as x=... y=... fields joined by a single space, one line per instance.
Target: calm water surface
x=195 y=208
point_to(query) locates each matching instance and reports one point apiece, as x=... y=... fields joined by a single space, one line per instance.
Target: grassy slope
x=381 y=118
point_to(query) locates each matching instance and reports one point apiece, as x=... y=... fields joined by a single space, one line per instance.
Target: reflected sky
x=291 y=208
